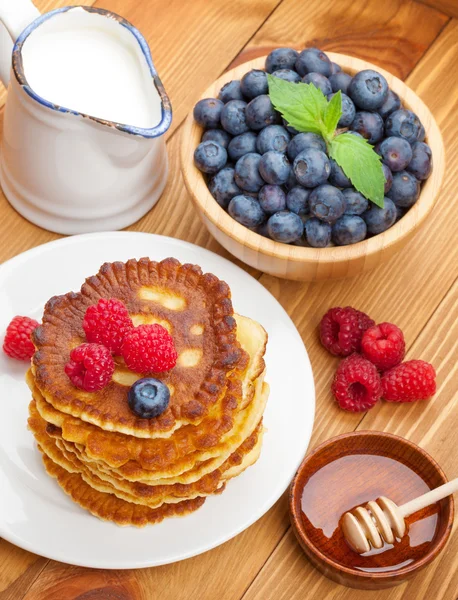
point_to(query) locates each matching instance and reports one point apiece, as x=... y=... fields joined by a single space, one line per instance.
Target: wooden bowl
x=336 y=477
x=311 y=264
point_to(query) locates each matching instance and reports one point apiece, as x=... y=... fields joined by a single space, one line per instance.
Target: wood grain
x=448 y=7
x=394 y=34
x=296 y=262
x=289 y=576
x=192 y=42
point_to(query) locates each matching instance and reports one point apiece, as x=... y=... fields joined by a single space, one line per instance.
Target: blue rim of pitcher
x=166 y=107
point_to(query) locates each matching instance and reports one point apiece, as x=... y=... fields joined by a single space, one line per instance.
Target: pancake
x=116 y=449
x=67 y=456
x=110 y=508
x=197 y=310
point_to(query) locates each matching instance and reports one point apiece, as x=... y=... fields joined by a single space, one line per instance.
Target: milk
x=93 y=65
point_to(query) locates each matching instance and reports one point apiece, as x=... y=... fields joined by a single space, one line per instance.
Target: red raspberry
x=149 y=349
x=356 y=384
x=17 y=342
x=412 y=380
x=341 y=330
x=384 y=346
x=90 y=367
x=106 y=323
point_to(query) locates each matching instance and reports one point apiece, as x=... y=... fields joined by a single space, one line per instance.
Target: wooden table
x=193 y=42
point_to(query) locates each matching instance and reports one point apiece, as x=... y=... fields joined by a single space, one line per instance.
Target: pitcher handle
x=15 y=15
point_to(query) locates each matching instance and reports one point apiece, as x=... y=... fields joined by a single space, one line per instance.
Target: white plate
x=34 y=512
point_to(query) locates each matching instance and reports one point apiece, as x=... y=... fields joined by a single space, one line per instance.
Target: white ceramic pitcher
x=67 y=171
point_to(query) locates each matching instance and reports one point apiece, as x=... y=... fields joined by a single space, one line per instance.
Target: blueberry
x=219 y=136
x=272 y=137
x=281 y=58
x=262 y=230
x=327 y=203
x=369 y=125
x=319 y=81
x=421 y=163
x=288 y=128
x=395 y=152
x=285 y=226
x=380 y=219
x=297 y=200
x=302 y=141
x=222 y=186
x=207 y=112
x=247 y=175
x=340 y=81
x=311 y=167
x=246 y=211
x=348 y=110
x=317 y=233
x=148 y=398
x=292 y=181
x=274 y=167
x=403 y=123
x=421 y=134
x=254 y=83
x=233 y=117
x=337 y=176
x=272 y=199
x=260 y=113
x=355 y=202
x=287 y=75
x=354 y=133
x=312 y=60
x=242 y=144
x=230 y=91
x=335 y=68
x=388 y=175
x=405 y=189
x=210 y=157
x=368 y=89
x=392 y=103
x=349 y=229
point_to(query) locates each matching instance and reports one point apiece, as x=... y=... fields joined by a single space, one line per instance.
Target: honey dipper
x=384 y=520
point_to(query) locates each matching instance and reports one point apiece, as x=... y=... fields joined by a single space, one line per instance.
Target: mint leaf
x=302 y=105
x=361 y=164
x=332 y=114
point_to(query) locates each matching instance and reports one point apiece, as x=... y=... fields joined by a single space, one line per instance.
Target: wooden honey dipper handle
x=429 y=498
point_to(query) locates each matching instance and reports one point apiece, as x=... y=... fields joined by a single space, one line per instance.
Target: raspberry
x=412 y=380
x=384 y=346
x=106 y=323
x=356 y=384
x=17 y=342
x=149 y=349
x=90 y=367
x=341 y=330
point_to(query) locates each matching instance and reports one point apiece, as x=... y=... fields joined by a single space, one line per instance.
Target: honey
x=353 y=480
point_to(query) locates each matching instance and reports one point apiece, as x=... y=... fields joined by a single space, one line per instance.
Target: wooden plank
x=393 y=34
x=193 y=42
x=18 y=570
x=289 y=576
x=448 y=7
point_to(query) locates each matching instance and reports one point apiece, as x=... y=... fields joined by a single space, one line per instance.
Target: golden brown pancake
x=197 y=310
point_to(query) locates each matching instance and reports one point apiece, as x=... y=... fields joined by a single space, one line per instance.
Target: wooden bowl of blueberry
x=311 y=166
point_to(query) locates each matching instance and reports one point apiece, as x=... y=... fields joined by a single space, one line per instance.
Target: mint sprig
x=305 y=108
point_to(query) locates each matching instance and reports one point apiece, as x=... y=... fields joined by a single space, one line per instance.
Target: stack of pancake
x=137 y=471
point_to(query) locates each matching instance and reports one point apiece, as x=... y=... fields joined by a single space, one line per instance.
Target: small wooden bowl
x=311 y=264
x=331 y=555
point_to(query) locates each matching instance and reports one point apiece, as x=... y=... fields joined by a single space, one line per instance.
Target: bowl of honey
x=348 y=471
